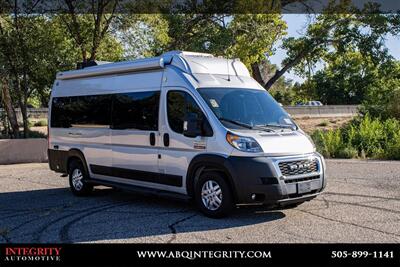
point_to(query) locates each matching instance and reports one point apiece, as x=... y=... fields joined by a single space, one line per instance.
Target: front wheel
x=213 y=195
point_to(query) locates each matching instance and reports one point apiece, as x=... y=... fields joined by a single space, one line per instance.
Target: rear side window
x=81 y=111
x=136 y=111
x=60 y=117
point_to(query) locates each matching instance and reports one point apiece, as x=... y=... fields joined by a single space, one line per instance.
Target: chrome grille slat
x=304 y=166
x=310 y=178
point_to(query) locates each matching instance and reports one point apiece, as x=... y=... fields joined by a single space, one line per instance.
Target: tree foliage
x=337 y=29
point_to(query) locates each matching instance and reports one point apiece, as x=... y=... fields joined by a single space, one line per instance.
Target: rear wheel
x=213 y=195
x=78 y=179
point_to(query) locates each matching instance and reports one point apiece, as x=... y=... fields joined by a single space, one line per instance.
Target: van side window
x=176 y=110
x=81 y=111
x=136 y=111
x=60 y=118
x=92 y=110
x=180 y=103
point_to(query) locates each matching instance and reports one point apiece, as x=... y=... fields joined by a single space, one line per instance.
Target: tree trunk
x=12 y=117
x=24 y=112
x=255 y=68
x=288 y=66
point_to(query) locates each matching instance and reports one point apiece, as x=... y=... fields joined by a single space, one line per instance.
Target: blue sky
x=297 y=24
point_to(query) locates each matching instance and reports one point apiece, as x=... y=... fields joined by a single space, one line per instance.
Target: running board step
x=140 y=189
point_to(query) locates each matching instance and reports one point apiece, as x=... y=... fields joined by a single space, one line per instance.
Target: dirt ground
x=309 y=125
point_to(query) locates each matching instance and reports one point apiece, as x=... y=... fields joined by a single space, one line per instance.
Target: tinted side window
x=81 y=111
x=60 y=118
x=176 y=108
x=136 y=111
x=90 y=110
x=180 y=103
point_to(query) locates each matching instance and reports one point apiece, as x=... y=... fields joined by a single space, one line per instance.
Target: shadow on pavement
x=55 y=215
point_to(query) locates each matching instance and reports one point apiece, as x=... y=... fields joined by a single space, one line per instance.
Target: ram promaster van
x=185 y=124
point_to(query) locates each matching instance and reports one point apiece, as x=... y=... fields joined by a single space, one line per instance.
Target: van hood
x=281 y=143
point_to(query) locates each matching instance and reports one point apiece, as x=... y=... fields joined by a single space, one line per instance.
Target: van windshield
x=246 y=108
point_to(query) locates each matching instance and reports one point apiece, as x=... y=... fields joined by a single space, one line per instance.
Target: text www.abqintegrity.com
x=204 y=254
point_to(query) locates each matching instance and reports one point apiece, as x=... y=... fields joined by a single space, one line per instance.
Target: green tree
x=90 y=31
x=383 y=98
x=339 y=29
x=33 y=48
x=347 y=78
x=142 y=35
x=249 y=37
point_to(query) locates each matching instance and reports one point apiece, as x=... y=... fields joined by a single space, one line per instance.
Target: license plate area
x=304 y=187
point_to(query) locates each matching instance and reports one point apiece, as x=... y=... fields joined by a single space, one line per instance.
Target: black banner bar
x=200 y=254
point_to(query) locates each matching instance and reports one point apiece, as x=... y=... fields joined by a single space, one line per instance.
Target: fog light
x=253 y=196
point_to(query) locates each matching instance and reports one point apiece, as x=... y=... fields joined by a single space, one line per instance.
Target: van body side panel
x=92 y=140
x=134 y=158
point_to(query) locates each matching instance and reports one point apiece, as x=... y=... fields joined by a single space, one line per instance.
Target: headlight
x=246 y=144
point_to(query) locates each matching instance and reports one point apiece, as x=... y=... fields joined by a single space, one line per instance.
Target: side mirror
x=192 y=125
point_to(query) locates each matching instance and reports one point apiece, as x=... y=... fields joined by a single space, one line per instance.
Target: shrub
x=36 y=134
x=323 y=124
x=369 y=136
x=364 y=137
x=32 y=134
x=328 y=142
x=40 y=123
x=347 y=152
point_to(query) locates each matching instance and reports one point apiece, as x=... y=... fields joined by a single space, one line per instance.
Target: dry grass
x=309 y=125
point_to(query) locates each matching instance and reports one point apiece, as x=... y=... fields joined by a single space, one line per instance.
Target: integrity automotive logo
x=32 y=254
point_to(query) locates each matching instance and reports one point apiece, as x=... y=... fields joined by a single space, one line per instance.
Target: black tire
x=85 y=188
x=227 y=203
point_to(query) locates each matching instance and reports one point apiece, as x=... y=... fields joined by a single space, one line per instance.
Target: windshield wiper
x=248 y=126
x=292 y=127
x=237 y=123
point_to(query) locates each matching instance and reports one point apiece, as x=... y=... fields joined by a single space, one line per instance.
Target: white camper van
x=185 y=124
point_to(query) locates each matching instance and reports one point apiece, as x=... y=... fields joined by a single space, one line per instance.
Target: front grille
x=292 y=181
x=298 y=167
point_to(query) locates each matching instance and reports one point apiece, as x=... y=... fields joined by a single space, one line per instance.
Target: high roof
x=189 y=62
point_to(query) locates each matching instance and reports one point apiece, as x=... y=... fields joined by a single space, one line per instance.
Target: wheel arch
x=209 y=162
x=75 y=153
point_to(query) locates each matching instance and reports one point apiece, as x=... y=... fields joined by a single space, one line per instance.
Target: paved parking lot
x=361 y=204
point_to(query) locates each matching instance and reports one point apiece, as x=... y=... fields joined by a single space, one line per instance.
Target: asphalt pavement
x=361 y=204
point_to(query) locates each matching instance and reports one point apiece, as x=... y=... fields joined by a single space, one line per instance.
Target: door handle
x=166 y=139
x=75 y=134
x=152 y=139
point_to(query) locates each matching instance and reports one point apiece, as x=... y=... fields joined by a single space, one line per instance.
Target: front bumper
x=260 y=180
